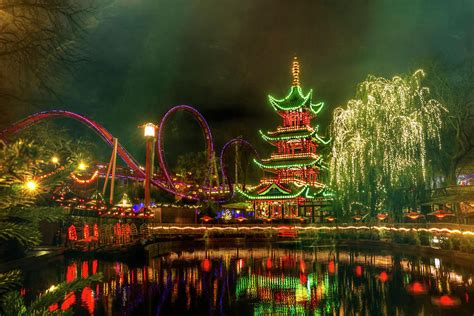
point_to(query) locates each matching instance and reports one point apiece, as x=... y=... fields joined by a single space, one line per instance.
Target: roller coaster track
x=166 y=183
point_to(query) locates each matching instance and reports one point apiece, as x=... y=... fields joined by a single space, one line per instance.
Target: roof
x=289 y=163
x=296 y=100
x=277 y=191
x=298 y=134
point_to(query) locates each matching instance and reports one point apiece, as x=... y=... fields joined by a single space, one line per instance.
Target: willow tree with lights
x=380 y=140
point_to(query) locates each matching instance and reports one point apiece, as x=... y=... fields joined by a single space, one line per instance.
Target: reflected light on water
x=262 y=280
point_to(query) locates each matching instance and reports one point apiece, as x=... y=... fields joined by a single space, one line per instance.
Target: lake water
x=264 y=280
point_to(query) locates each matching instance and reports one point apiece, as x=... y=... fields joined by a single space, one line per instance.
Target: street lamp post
x=149 y=131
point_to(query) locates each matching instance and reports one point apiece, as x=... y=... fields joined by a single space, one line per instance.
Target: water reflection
x=263 y=280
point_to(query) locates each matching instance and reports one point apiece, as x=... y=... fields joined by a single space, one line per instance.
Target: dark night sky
x=224 y=57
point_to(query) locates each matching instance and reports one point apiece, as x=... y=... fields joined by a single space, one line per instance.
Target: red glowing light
x=94 y=266
x=85 y=269
x=96 y=231
x=383 y=277
x=71 y=272
x=86 y=232
x=87 y=298
x=206 y=265
x=68 y=301
x=53 y=307
x=303 y=278
x=269 y=263
x=241 y=263
x=71 y=232
x=381 y=216
x=417 y=288
x=446 y=301
x=358 y=271
x=331 y=267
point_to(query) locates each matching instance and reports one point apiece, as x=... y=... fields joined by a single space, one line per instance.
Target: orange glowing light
x=440 y=214
x=330 y=219
x=206 y=218
x=302 y=266
x=414 y=215
x=381 y=216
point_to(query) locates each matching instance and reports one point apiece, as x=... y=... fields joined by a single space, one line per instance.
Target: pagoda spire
x=295 y=71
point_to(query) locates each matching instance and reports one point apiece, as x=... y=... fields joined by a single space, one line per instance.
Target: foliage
x=23 y=161
x=380 y=140
x=13 y=304
x=20 y=162
x=40 y=44
x=195 y=166
x=454 y=87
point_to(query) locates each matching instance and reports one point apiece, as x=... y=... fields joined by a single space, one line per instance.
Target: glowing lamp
x=149 y=130
x=206 y=218
x=330 y=219
x=31 y=185
x=82 y=166
x=55 y=159
x=381 y=216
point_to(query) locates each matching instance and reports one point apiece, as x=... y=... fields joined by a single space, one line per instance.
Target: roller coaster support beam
x=112 y=180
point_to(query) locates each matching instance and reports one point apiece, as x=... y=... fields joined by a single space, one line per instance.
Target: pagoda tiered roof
x=276 y=191
x=296 y=100
x=294 y=134
x=289 y=163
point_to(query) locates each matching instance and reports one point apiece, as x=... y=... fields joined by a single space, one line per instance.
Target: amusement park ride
x=212 y=190
x=294 y=188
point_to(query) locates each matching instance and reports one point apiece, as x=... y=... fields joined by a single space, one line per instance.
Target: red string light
x=85 y=181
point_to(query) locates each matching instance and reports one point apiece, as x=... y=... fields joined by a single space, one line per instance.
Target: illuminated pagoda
x=293 y=188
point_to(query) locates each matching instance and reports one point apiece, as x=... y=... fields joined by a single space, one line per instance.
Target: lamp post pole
x=149 y=132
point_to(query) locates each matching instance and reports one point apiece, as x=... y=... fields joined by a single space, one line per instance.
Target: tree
x=39 y=44
x=25 y=173
x=380 y=140
x=454 y=88
x=22 y=165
